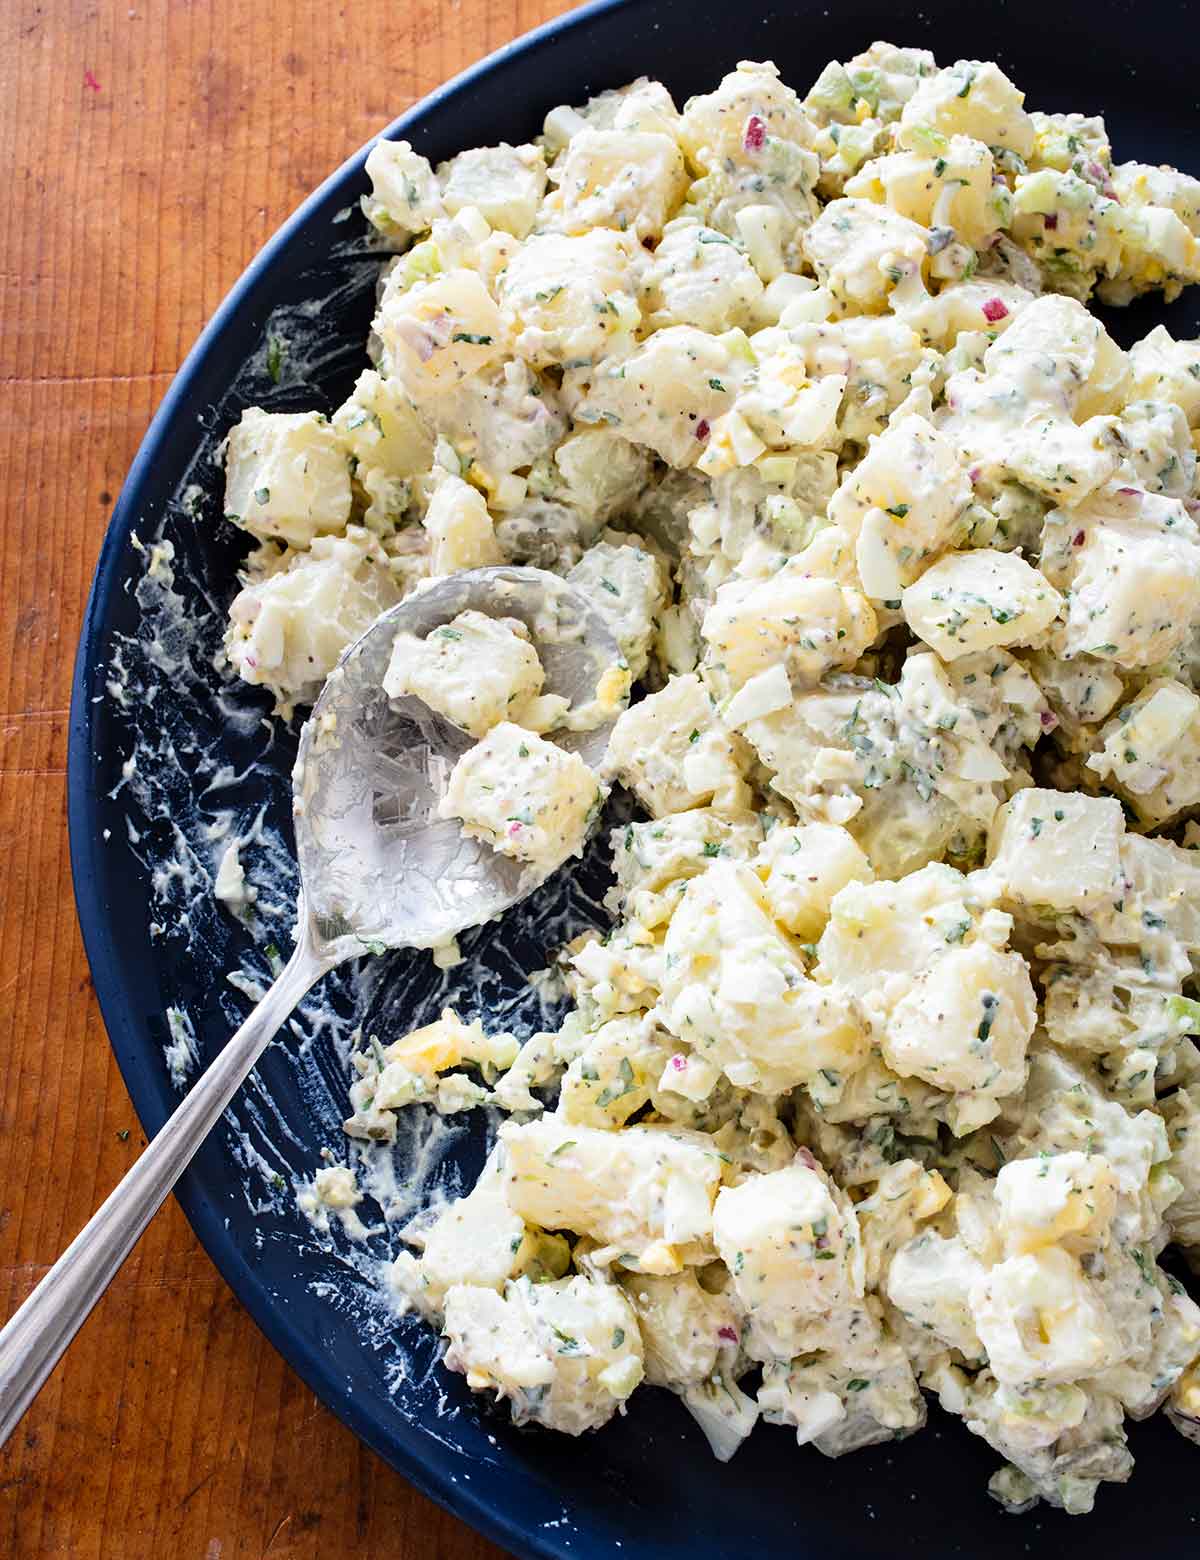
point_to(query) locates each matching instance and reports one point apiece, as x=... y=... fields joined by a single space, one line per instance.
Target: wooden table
x=148 y=148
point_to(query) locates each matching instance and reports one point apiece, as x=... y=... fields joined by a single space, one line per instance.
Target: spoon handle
x=35 y=1337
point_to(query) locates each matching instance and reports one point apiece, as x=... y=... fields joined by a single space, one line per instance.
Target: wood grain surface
x=147 y=150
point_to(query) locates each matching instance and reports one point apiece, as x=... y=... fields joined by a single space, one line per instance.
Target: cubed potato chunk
x=1056 y=1199
x=929 y=1282
x=287 y=630
x=950 y=187
x=1150 y=752
x=524 y=797
x=714 y=125
x=860 y=251
x=699 y=277
x=793 y=1252
x=404 y=195
x=903 y=503
x=630 y=180
x=286 y=476
x=966 y=1023
x=645 y=1193
x=462 y=532
x=628 y=588
x=571 y=296
x=976 y=600
x=477 y=1240
x=505 y=183
x=1164 y=369
x=1040 y=1320
x=1058 y=850
x=803 y=868
x=380 y=428
x=1130 y=562
x=880 y=934
x=673 y=753
x=736 y=992
x=809 y=624
x=970 y=98
x=684 y=1328
x=475 y=670
x=666 y=394
x=440 y=332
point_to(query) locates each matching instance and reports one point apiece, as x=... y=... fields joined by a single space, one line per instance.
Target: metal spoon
x=378 y=870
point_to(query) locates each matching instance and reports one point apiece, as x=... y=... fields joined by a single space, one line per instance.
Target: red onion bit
x=995 y=309
x=702 y=428
x=754 y=137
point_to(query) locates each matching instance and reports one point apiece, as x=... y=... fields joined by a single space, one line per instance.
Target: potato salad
x=881 y=1088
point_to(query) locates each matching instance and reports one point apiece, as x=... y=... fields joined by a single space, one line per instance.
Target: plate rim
x=406 y=1452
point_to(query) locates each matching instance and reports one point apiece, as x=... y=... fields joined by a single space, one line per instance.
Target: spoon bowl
x=378 y=865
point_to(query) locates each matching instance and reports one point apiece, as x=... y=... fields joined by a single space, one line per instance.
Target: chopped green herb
x=627 y=1084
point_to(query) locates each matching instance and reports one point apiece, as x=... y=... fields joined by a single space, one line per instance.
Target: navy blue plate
x=645 y=1485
